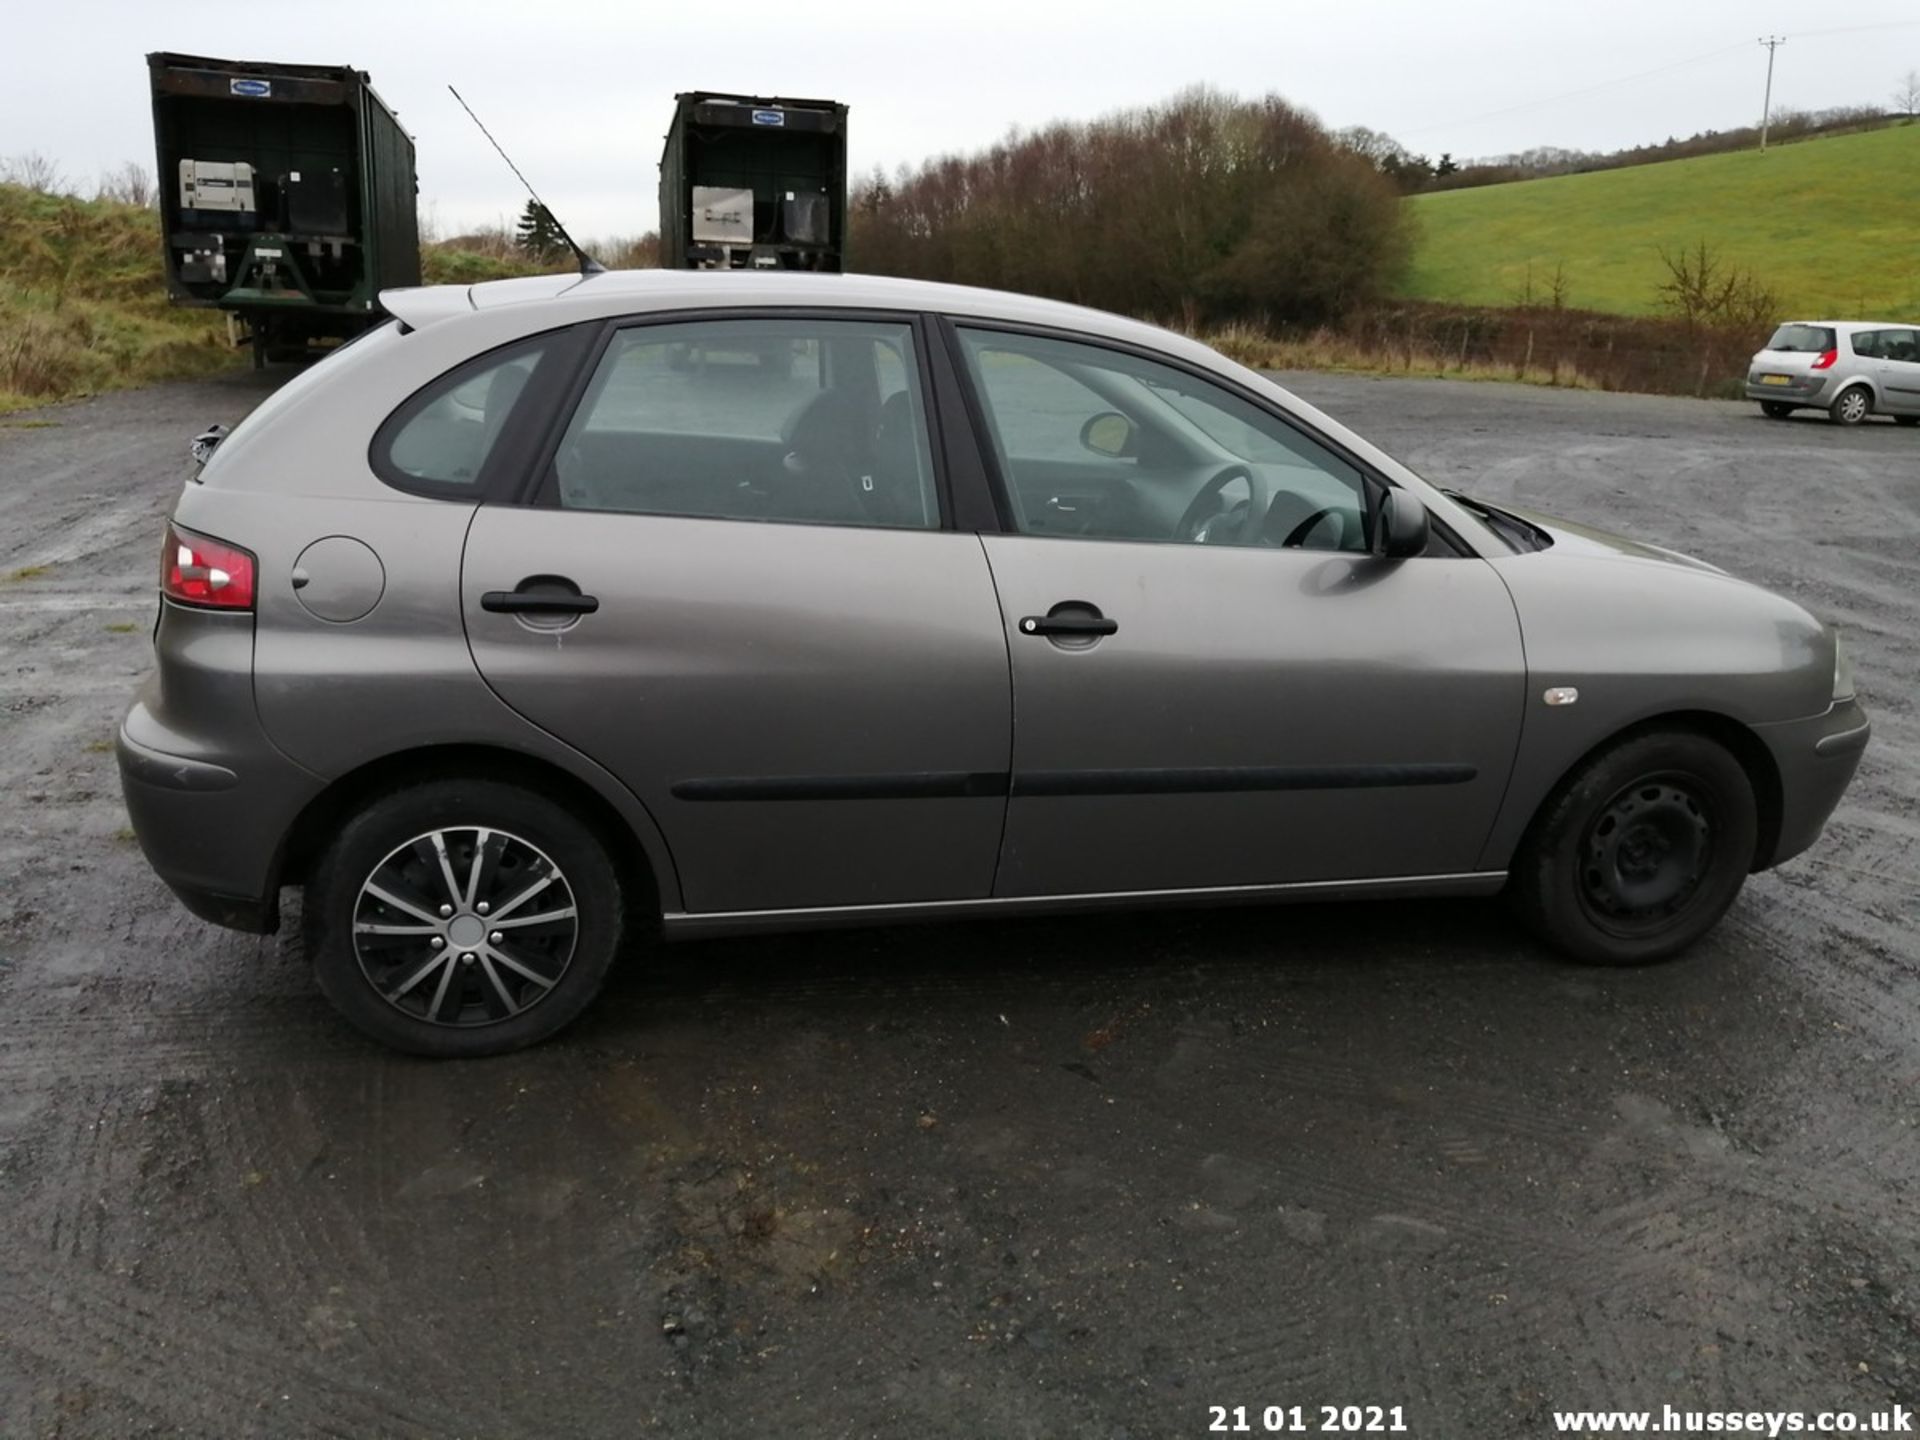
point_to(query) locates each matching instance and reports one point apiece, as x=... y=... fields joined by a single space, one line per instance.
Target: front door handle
x=1079 y=625
x=528 y=601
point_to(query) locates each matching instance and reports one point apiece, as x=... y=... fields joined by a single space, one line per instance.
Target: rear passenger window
x=815 y=421
x=442 y=436
x=1867 y=343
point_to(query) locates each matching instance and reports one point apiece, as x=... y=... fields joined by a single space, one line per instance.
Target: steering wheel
x=1298 y=535
x=1196 y=524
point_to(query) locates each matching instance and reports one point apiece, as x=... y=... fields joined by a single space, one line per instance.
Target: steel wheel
x=1643 y=857
x=1640 y=850
x=465 y=926
x=1850 y=407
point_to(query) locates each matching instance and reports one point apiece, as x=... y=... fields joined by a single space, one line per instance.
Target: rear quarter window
x=439 y=442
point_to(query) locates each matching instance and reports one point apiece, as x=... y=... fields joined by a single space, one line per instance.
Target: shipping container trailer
x=286 y=196
x=748 y=182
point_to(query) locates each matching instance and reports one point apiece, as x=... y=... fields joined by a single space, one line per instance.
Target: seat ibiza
x=557 y=616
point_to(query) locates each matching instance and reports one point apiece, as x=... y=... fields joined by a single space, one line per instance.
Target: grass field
x=83 y=305
x=1831 y=226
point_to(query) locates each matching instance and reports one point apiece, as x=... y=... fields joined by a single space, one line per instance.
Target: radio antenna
x=588 y=265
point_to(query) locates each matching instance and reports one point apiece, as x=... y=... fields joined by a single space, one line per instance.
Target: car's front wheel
x=1906 y=419
x=1850 y=406
x=1639 y=852
x=463 y=917
x=1775 y=409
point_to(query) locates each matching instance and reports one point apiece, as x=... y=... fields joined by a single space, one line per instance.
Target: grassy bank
x=1581 y=350
x=1328 y=349
x=83 y=304
x=1827 y=225
x=492 y=255
x=83 y=299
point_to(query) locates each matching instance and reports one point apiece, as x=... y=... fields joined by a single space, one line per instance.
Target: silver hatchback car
x=1849 y=368
x=560 y=614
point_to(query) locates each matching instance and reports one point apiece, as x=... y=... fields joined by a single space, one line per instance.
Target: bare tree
x=1722 y=305
x=33 y=171
x=129 y=185
x=1906 y=95
x=1526 y=297
x=1704 y=291
x=1558 y=289
x=1699 y=286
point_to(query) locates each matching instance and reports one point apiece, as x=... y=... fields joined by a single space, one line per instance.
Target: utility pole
x=1772 y=42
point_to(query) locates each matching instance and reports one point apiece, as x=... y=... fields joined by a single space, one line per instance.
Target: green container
x=790 y=154
x=286 y=195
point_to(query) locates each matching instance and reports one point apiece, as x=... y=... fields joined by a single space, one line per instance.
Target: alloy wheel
x=465 y=926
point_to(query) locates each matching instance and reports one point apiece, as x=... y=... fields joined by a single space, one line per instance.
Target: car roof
x=637 y=291
x=1849 y=327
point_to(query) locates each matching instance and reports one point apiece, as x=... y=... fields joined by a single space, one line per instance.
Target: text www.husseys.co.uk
x=1669 y=1421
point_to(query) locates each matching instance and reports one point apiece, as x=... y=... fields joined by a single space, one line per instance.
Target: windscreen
x=1808 y=339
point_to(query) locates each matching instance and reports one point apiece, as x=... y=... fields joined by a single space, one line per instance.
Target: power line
x=1588 y=90
x=1657 y=70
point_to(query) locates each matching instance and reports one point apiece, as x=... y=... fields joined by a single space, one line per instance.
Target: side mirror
x=1402 y=526
x=1109 y=433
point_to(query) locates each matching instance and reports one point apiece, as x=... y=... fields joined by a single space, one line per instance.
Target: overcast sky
x=580 y=91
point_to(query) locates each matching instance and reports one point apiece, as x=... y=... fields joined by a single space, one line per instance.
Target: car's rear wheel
x=461 y=917
x=1639 y=852
x=1775 y=409
x=1850 y=406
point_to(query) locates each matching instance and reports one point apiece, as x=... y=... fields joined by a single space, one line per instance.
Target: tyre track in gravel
x=150 y=1351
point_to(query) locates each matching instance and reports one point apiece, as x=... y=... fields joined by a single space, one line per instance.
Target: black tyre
x=1906 y=419
x=1850 y=406
x=1775 y=409
x=463 y=917
x=1639 y=852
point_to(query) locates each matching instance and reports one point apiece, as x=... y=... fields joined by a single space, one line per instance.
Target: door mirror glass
x=1109 y=433
x=1403 y=526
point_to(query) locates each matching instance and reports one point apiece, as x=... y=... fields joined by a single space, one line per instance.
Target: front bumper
x=1816 y=759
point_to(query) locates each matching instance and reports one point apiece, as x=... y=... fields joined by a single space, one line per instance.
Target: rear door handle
x=1068 y=625
x=537 y=602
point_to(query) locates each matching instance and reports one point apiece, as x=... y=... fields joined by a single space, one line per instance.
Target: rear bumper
x=1816 y=759
x=1799 y=390
x=212 y=829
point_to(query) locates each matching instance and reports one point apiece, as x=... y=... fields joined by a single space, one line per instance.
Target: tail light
x=1827 y=357
x=211 y=574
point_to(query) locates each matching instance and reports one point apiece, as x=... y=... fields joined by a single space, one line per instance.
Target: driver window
x=1099 y=444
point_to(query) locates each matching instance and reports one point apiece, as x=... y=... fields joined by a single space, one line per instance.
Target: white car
x=1849 y=368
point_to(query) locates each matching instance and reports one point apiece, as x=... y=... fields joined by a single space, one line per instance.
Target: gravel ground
x=1053 y=1178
